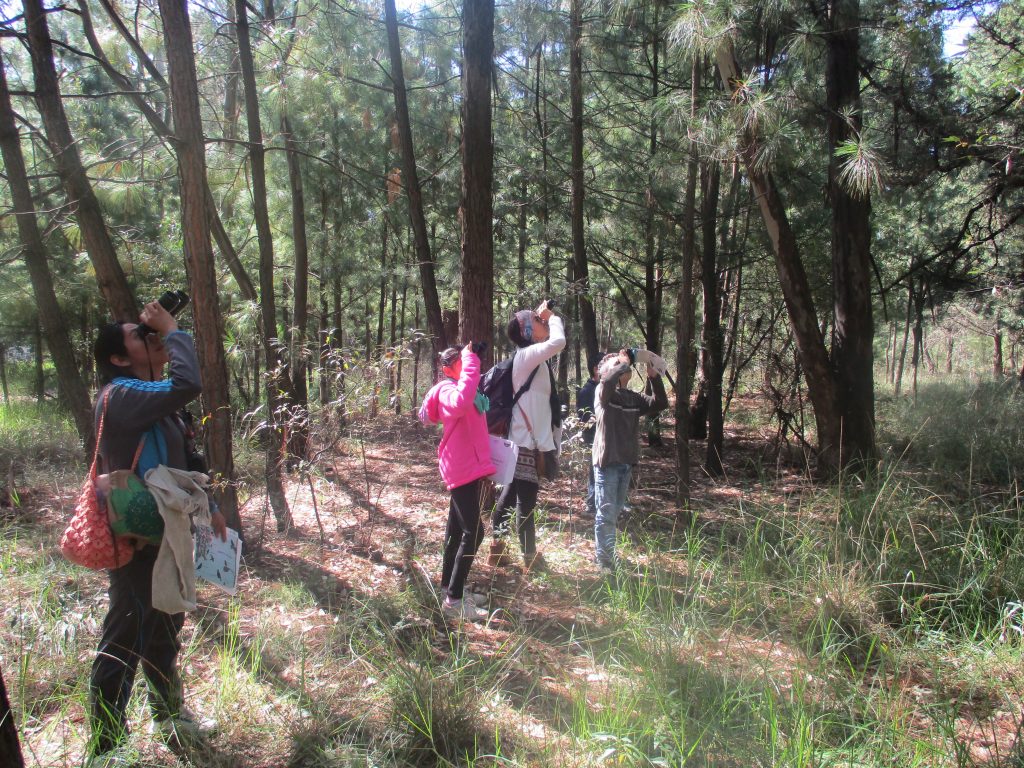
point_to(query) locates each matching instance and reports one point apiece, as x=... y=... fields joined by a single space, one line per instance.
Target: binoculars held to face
x=173 y=302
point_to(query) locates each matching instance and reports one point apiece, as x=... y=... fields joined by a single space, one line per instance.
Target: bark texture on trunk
x=712 y=328
x=10 y=749
x=55 y=329
x=588 y=320
x=684 y=315
x=476 y=297
x=277 y=386
x=110 y=276
x=209 y=325
x=853 y=330
x=421 y=243
x=796 y=289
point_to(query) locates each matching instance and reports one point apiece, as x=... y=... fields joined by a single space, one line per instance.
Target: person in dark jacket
x=134 y=402
x=585 y=414
x=616 y=445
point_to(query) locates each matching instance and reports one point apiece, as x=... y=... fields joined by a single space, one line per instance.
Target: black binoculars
x=173 y=302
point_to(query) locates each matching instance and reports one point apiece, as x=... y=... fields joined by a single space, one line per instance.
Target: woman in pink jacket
x=464 y=458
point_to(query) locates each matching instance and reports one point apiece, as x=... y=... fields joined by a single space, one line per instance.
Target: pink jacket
x=464 y=453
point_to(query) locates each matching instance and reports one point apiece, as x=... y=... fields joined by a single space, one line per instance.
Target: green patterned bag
x=131 y=508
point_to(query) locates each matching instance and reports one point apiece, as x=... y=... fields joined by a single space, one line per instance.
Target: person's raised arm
x=535 y=354
x=135 y=403
x=456 y=400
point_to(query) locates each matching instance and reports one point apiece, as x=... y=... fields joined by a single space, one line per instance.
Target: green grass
x=861 y=623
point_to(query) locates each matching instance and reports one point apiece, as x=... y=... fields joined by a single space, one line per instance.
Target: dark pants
x=521 y=494
x=133 y=632
x=462 y=537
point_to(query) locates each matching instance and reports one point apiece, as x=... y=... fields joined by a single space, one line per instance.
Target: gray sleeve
x=135 y=404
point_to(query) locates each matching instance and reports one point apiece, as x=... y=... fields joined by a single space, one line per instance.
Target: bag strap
x=138 y=451
x=99 y=437
x=99 y=434
x=526 y=386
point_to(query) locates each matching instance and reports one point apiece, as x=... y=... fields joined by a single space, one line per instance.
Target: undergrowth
x=868 y=622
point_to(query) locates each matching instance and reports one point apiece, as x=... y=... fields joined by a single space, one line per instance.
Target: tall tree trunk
x=588 y=320
x=540 y=112
x=424 y=257
x=997 y=355
x=276 y=385
x=298 y=438
x=796 y=290
x=712 y=329
x=853 y=330
x=10 y=749
x=476 y=297
x=109 y=275
x=161 y=129
x=58 y=337
x=684 y=314
x=3 y=372
x=209 y=324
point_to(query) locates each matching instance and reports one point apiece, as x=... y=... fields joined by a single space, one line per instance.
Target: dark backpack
x=497 y=385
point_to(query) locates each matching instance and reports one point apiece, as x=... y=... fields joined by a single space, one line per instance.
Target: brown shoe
x=498 y=557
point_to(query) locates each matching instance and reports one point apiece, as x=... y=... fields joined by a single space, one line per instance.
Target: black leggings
x=463 y=535
x=133 y=632
x=521 y=494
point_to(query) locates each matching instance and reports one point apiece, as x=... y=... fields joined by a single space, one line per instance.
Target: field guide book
x=217 y=561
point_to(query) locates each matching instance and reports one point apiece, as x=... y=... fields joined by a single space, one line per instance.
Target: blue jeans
x=591 y=504
x=611 y=483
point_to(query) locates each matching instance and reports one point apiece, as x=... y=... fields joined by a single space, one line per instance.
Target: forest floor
x=336 y=630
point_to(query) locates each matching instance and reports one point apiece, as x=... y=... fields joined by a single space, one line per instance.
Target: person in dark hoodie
x=137 y=406
x=616 y=445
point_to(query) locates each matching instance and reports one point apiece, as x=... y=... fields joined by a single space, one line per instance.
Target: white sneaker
x=186 y=728
x=463 y=610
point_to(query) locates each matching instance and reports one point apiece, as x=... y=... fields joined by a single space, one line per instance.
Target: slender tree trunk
x=898 y=382
x=298 y=438
x=276 y=394
x=814 y=361
x=540 y=111
x=161 y=129
x=199 y=263
x=3 y=372
x=950 y=348
x=476 y=297
x=424 y=257
x=712 y=329
x=10 y=749
x=997 y=355
x=684 y=316
x=588 y=321
x=54 y=326
x=109 y=274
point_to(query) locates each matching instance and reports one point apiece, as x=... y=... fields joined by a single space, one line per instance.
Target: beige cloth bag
x=181 y=498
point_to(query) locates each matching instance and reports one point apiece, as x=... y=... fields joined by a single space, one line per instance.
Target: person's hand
x=625 y=357
x=658 y=363
x=219 y=525
x=468 y=348
x=159 y=319
x=543 y=311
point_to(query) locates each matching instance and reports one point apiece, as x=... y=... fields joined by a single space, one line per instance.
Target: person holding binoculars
x=139 y=427
x=538 y=335
x=616 y=441
x=464 y=459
